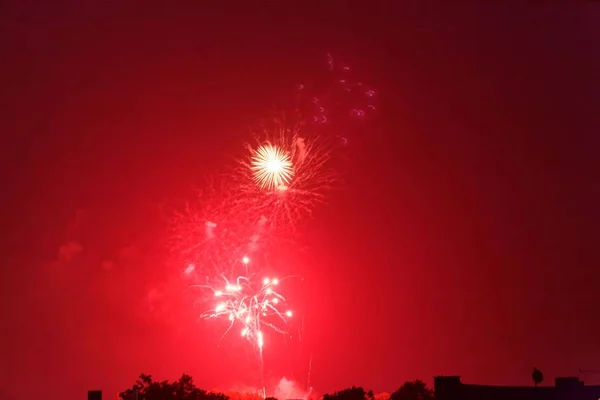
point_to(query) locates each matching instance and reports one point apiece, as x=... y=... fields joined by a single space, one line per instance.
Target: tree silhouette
x=537 y=376
x=353 y=393
x=413 y=390
x=182 y=389
x=242 y=395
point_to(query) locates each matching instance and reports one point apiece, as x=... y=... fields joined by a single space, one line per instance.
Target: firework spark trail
x=308 y=387
x=253 y=309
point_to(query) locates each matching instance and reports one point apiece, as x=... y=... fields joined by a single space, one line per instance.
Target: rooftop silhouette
x=572 y=388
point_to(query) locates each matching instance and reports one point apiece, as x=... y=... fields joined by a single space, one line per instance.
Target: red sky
x=464 y=240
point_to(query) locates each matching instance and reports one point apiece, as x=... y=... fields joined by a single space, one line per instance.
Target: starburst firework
x=284 y=177
x=272 y=168
x=257 y=205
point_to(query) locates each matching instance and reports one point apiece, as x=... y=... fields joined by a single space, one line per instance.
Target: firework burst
x=258 y=202
x=285 y=176
x=272 y=168
x=251 y=308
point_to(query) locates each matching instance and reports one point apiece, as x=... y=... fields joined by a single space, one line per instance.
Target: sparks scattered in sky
x=250 y=306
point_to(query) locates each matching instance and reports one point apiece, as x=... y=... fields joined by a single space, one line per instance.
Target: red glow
x=463 y=241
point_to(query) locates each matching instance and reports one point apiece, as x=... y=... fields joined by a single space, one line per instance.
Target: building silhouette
x=94 y=394
x=451 y=388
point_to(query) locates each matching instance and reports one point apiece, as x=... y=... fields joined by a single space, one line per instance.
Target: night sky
x=463 y=241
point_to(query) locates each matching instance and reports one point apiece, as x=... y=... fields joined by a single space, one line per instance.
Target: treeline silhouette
x=185 y=389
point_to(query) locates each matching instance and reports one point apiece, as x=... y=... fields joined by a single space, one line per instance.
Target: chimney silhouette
x=94 y=394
